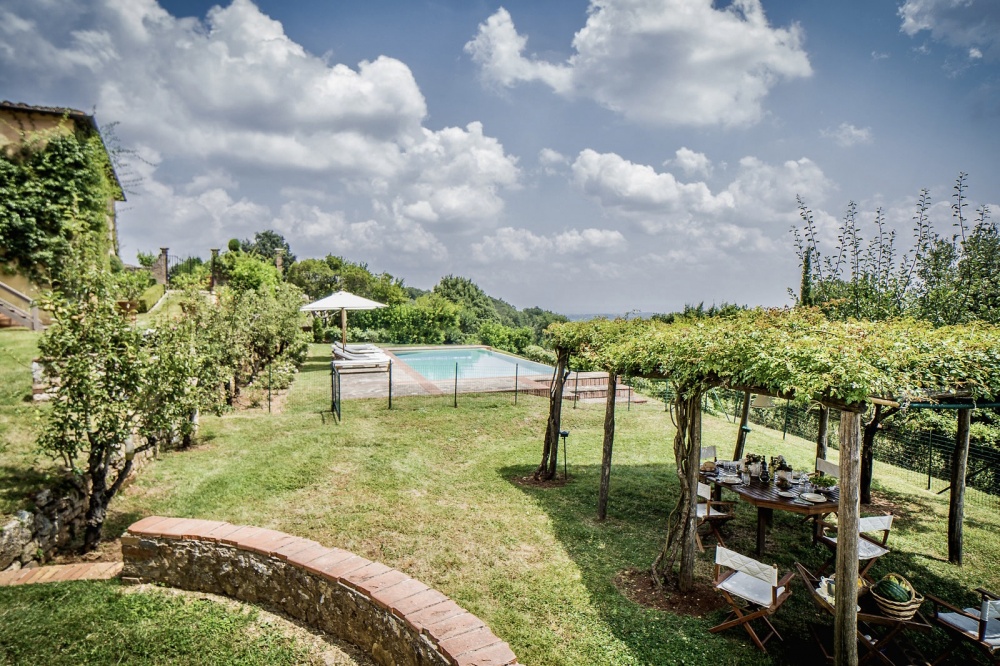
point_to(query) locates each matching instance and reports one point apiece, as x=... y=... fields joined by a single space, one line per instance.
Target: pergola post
x=741 y=434
x=845 y=639
x=609 y=442
x=685 y=578
x=956 y=504
x=822 y=435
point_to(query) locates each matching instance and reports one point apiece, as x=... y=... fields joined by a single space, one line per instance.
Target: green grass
x=97 y=622
x=22 y=469
x=431 y=490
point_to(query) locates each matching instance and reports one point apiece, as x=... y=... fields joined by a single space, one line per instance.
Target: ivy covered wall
x=57 y=192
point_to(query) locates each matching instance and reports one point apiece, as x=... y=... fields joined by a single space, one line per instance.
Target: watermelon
x=894 y=588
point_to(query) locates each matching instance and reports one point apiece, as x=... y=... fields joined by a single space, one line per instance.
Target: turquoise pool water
x=434 y=364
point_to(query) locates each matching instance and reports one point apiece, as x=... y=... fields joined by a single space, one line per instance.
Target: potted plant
x=824 y=484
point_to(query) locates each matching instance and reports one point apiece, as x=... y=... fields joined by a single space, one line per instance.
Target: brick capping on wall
x=396 y=619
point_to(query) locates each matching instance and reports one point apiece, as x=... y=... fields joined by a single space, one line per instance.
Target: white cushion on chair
x=749 y=588
x=866 y=549
x=971 y=627
x=875 y=523
x=733 y=560
x=704 y=510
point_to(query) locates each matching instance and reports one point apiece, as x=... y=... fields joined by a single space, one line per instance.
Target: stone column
x=211 y=279
x=160 y=267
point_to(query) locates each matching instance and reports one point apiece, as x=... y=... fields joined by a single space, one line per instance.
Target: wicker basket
x=898 y=610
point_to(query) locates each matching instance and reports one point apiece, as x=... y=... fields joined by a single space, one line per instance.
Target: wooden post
x=956 y=505
x=741 y=434
x=845 y=640
x=609 y=442
x=824 y=428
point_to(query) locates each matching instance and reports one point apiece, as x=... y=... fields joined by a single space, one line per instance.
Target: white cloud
x=847 y=135
x=669 y=62
x=691 y=162
x=509 y=244
x=975 y=54
x=233 y=94
x=194 y=216
x=962 y=23
x=753 y=212
x=656 y=200
x=499 y=49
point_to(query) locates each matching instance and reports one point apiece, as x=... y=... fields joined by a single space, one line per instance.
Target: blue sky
x=610 y=156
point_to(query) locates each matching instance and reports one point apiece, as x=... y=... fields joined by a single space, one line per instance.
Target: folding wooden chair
x=869 y=549
x=975 y=626
x=823 y=468
x=827 y=468
x=757 y=584
x=711 y=512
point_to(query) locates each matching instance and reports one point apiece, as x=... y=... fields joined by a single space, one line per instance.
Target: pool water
x=435 y=364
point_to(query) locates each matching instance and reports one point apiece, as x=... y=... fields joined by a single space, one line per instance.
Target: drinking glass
x=745 y=477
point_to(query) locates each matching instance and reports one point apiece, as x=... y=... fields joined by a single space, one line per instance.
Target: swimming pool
x=435 y=364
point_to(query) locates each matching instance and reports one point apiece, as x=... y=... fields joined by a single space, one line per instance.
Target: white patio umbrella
x=343 y=301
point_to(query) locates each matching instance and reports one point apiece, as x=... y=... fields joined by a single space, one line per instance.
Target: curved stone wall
x=395 y=618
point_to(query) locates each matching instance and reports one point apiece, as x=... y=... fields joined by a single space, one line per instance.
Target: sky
x=615 y=156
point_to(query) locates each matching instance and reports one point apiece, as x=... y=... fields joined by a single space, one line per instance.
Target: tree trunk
x=846 y=596
x=822 y=436
x=741 y=434
x=685 y=577
x=868 y=455
x=100 y=493
x=550 y=450
x=609 y=442
x=680 y=541
x=956 y=505
x=868 y=450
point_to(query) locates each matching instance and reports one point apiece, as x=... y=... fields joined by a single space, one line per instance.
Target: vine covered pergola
x=795 y=354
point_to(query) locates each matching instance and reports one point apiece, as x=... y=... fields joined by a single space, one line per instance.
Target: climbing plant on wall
x=54 y=194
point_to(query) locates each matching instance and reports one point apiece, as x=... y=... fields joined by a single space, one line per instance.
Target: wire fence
x=920 y=457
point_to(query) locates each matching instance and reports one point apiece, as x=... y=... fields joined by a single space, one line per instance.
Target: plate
x=785 y=493
x=729 y=479
x=813 y=497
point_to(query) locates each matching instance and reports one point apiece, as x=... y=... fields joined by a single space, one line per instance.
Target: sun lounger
x=376 y=356
x=356 y=349
x=381 y=363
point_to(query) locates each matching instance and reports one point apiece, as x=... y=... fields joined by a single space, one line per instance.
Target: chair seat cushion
x=747 y=587
x=704 y=511
x=970 y=627
x=866 y=549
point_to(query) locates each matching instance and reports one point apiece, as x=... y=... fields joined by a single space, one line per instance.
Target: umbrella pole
x=343 y=327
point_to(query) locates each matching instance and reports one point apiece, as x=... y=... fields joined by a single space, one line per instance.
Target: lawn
x=434 y=491
x=102 y=622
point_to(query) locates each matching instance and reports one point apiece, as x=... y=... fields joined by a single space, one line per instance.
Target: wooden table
x=765 y=497
x=880 y=637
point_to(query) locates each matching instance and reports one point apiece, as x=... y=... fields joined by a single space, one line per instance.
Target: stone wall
x=394 y=618
x=32 y=537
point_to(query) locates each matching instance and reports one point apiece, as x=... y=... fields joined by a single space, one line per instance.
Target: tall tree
x=100 y=363
x=266 y=244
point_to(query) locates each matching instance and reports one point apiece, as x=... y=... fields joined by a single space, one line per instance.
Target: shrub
x=151 y=297
x=539 y=355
